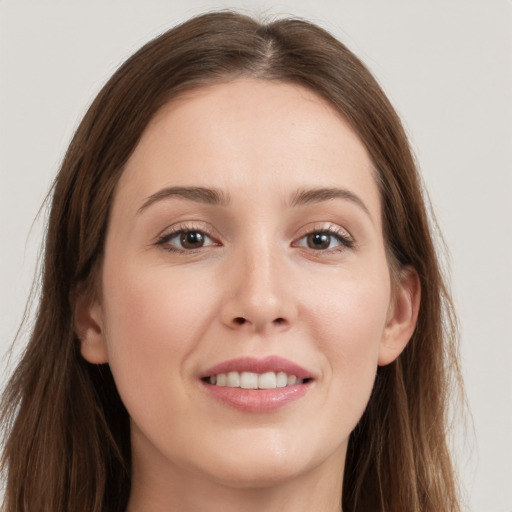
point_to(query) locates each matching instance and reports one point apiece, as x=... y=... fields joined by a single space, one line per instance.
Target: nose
x=258 y=296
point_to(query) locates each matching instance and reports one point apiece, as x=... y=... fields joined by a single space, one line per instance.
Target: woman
x=241 y=306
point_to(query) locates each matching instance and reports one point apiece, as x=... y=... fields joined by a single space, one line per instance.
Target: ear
x=402 y=316
x=89 y=328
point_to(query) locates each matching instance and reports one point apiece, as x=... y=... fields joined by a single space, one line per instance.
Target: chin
x=267 y=461
x=262 y=473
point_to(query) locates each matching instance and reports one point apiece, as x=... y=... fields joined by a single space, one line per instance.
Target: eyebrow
x=214 y=196
x=198 y=194
x=318 y=195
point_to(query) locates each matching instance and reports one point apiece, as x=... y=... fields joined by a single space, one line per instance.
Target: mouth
x=252 y=380
x=257 y=385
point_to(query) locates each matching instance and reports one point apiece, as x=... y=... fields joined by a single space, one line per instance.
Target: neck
x=159 y=488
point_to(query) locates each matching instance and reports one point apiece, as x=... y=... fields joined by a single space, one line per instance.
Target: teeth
x=291 y=380
x=250 y=380
x=267 y=380
x=281 y=380
x=233 y=380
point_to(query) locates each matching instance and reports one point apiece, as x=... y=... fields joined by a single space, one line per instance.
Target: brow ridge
x=318 y=195
x=204 y=195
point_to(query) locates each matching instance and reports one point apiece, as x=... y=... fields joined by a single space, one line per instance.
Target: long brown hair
x=67 y=439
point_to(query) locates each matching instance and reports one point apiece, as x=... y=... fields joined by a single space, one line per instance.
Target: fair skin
x=265 y=265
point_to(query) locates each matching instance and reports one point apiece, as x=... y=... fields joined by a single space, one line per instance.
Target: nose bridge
x=257 y=295
x=261 y=275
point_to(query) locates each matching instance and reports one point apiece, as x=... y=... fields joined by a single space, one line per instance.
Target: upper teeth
x=250 y=380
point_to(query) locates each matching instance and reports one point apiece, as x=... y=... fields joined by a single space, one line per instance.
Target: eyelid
x=171 y=231
x=347 y=241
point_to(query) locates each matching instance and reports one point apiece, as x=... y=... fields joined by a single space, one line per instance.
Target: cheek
x=152 y=324
x=349 y=324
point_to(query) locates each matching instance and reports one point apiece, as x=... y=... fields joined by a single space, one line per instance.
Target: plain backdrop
x=446 y=66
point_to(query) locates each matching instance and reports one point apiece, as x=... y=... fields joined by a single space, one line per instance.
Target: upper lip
x=256 y=365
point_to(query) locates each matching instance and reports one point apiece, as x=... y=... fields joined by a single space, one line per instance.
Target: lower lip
x=257 y=400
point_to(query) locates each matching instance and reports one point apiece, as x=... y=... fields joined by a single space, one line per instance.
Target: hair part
x=67 y=432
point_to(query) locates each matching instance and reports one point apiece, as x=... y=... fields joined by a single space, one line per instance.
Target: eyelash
x=164 y=240
x=345 y=241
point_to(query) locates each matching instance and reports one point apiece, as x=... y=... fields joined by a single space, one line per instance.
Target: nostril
x=240 y=320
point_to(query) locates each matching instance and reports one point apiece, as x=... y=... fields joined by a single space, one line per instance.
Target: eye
x=185 y=240
x=325 y=239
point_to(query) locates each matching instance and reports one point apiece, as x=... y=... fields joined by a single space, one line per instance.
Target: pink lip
x=257 y=400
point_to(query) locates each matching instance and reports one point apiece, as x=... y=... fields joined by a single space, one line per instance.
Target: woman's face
x=245 y=248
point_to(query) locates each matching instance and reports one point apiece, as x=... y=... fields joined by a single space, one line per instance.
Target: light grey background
x=447 y=67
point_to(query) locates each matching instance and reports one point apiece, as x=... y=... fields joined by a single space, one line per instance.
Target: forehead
x=250 y=133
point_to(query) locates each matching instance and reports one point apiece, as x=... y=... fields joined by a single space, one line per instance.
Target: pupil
x=192 y=239
x=319 y=241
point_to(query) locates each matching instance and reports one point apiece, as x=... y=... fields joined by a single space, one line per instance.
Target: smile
x=257 y=385
x=251 y=380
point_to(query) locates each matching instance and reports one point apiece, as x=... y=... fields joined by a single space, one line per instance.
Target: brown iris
x=192 y=239
x=319 y=240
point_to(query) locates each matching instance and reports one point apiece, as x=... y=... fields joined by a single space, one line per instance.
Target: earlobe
x=402 y=317
x=89 y=329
